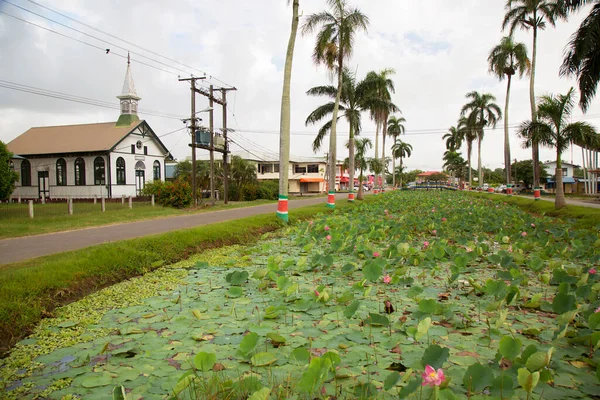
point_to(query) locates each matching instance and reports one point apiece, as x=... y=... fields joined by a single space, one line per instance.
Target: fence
x=17 y=209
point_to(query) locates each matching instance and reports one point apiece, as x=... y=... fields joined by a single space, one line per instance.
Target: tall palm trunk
x=284 y=128
x=394 y=163
x=360 y=185
x=535 y=151
x=377 y=122
x=507 y=166
x=479 y=174
x=400 y=171
x=559 y=201
x=383 y=135
x=351 y=159
x=469 y=150
x=332 y=135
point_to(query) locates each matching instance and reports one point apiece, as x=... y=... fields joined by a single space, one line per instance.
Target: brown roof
x=70 y=138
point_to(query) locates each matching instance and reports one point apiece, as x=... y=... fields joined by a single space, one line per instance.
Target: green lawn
x=53 y=217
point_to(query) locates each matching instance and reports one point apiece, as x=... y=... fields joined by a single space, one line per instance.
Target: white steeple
x=129 y=98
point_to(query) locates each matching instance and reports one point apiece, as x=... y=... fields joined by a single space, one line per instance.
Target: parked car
x=500 y=189
x=517 y=188
x=365 y=188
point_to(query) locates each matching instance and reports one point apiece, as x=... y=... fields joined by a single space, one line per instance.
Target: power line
x=126 y=41
x=77 y=99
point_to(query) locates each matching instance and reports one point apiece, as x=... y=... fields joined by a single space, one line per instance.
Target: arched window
x=99 y=175
x=80 y=172
x=156 y=170
x=25 y=173
x=120 y=171
x=61 y=172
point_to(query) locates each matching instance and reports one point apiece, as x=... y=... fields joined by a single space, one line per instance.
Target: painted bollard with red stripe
x=351 y=197
x=282 y=208
x=331 y=200
x=490 y=190
x=537 y=194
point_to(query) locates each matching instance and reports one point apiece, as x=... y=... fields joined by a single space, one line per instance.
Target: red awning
x=344 y=180
x=311 y=179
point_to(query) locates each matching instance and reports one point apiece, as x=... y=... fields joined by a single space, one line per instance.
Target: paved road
x=571 y=202
x=23 y=248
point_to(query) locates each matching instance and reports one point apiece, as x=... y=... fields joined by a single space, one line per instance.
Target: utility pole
x=212 y=147
x=226 y=152
x=193 y=129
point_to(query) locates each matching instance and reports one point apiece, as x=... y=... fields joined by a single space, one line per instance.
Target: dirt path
x=23 y=248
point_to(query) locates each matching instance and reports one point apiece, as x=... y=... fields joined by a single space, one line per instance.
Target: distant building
x=305 y=174
x=425 y=176
x=569 y=181
x=110 y=159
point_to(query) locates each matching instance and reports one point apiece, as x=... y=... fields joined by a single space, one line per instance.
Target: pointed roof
x=128 y=86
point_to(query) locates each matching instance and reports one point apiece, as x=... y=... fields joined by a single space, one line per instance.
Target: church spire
x=129 y=98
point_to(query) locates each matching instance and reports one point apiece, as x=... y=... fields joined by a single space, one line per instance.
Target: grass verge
x=32 y=289
x=53 y=217
x=584 y=217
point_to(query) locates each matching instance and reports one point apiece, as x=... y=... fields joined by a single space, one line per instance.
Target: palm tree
x=401 y=150
x=335 y=44
x=532 y=14
x=362 y=146
x=482 y=112
x=284 y=127
x=454 y=138
x=505 y=60
x=454 y=163
x=381 y=87
x=469 y=133
x=395 y=128
x=552 y=129
x=582 y=57
x=353 y=101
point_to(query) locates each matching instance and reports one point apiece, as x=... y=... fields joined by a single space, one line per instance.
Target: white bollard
x=152 y=201
x=70 y=203
x=43 y=198
x=103 y=205
x=19 y=199
x=95 y=198
x=130 y=202
x=30 y=208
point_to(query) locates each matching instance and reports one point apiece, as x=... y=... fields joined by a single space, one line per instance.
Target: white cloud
x=439 y=51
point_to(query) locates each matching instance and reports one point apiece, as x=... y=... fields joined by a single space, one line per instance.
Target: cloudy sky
x=438 y=49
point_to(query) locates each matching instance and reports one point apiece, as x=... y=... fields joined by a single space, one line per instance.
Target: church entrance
x=44 y=184
x=140 y=177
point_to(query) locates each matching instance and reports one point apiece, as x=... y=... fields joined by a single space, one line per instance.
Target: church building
x=110 y=160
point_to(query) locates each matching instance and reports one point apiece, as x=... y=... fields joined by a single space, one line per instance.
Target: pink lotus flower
x=597 y=310
x=443 y=219
x=317 y=293
x=387 y=279
x=328 y=237
x=592 y=271
x=523 y=234
x=434 y=232
x=533 y=225
x=431 y=377
x=376 y=254
x=425 y=244
x=327 y=228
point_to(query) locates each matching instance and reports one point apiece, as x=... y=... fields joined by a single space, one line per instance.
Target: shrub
x=177 y=194
x=268 y=190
